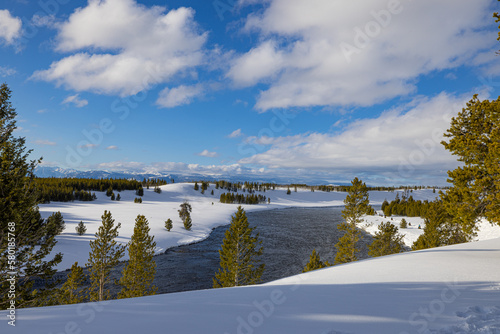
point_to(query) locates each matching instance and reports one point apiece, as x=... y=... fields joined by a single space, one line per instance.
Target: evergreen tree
x=118 y=197
x=138 y=275
x=288 y=192
x=403 y=223
x=81 y=228
x=140 y=191
x=239 y=255
x=357 y=204
x=196 y=187
x=386 y=241
x=69 y=292
x=169 y=224
x=185 y=215
x=315 y=262
x=440 y=229
x=105 y=254
x=113 y=196
x=20 y=217
x=474 y=137
x=55 y=223
x=212 y=193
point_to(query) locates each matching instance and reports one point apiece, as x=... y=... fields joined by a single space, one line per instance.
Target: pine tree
x=357 y=204
x=474 y=137
x=403 y=223
x=185 y=215
x=169 y=224
x=20 y=217
x=69 y=292
x=105 y=254
x=239 y=255
x=81 y=228
x=118 y=197
x=386 y=241
x=315 y=262
x=196 y=187
x=288 y=192
x=113 y=196
x=138 y=275
x=55 y=223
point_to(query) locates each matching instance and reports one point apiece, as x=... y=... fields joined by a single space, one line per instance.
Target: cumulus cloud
x=122 y=47
x=76 y=100
x=174 y=97
x=235 y=134
x=45 y=142
x=208 y=154
x=10 y=26
x=401 y=144
x=331 y=52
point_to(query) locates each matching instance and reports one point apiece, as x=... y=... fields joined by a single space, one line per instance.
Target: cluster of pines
x=230 y=198
x=249 y=186
x=71 y=189
x=406 y=207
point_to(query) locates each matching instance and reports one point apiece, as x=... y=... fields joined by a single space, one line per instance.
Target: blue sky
x=321 y=89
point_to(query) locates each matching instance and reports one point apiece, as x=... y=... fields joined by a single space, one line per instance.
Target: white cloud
x=331 y=52
x=208 y=154
x=89 y=145
x=112 y=147
x=174 y=97
x=6 y=71
x=398 y=145
x=76 y=100
x=124 y=47
x=45 y=142
x=235 y=134
x=10 y=27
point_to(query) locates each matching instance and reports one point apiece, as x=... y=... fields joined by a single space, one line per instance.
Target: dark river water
x=288 y=237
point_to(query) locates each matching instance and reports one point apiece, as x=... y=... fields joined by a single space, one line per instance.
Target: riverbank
x=207 y=214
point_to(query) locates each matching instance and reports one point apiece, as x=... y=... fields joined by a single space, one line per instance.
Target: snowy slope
x=454 y=289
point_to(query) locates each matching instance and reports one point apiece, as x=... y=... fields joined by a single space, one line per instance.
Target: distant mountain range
x=58 y=172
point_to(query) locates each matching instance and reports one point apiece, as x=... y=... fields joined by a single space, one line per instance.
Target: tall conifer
x=105 y=254
x=21 y=226
x=138 y=275
x=357 y=204
x=239 y=255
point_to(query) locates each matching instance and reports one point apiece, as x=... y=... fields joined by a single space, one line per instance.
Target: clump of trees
x=386 y=241
x=230 y=198
x=185 y=215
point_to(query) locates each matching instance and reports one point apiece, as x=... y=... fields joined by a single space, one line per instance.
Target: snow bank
x=453 y=289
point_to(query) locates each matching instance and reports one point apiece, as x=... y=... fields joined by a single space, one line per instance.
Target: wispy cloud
x=236 y=134
x=45 y=142
x=76 y=100
x=208 y=154
x=112 y=147
x=88 y=145
x=6 y=71
x=174 y=97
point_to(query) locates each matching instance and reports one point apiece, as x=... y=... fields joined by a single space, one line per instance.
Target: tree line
x=231 y=198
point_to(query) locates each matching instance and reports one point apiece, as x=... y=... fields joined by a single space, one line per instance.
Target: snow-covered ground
x=453 y=289
x=207 y=214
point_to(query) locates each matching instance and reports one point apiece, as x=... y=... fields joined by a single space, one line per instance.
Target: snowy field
x=453 y=289
x=159 y=207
